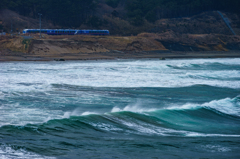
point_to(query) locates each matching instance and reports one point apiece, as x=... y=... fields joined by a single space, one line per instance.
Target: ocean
x=126 y=109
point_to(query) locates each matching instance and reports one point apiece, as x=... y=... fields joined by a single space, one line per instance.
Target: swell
x=163 y=122
x=170 y=105
x=215 y=66
x=197 y=91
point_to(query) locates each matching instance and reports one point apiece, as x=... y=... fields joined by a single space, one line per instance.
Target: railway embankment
x=144 y=45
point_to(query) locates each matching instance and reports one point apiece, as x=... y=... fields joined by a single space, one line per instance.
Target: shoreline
x=114 y=54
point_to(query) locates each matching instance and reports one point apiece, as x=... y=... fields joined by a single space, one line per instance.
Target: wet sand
x=111 y=55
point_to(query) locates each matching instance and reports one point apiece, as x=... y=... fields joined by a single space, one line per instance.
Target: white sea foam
x=134 y=107
x=215 y=148
x=88 y=113
x=31 y=77
x=106 y=127
x=144 y=128
x=77 y=112
x=143 y=73
x=6 y=152
x=227 y=106
x=195 y=134
x=139 y=127
x=16 y=115
x=184 y=107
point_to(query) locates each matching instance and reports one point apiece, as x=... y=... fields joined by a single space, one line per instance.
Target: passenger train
x=66 y=32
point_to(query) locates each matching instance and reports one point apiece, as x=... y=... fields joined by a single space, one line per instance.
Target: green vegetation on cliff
x=66 y=13
x=124 y=17
x=73 y=13
x=153 y=10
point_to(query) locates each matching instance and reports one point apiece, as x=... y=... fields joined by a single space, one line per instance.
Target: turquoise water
x=120 y=109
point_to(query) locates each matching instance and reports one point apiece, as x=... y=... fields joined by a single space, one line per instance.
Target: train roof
x=66 y=29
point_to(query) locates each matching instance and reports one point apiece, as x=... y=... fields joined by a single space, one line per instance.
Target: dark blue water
x=120 y=109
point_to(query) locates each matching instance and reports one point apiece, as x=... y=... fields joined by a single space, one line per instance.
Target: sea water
x=128 y=109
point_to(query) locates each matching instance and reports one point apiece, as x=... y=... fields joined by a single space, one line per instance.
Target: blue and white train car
x=66 y=32
x=61 y=32
x=34 y=31
x=92 y=32
x=50 y=31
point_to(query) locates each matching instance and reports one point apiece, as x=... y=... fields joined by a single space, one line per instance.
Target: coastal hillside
x=205 y=23
x=205 y=29
x=144 y=45
x=122 y=17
